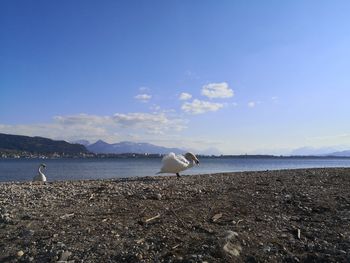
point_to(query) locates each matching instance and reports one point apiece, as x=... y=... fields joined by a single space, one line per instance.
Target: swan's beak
x=197 y=162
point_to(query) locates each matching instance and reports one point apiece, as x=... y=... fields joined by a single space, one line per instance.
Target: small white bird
x=40 y=177
x=172 y=163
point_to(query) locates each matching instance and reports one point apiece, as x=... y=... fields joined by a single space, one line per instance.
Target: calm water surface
x=75 y=169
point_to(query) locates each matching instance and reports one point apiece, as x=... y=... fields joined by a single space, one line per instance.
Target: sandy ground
x=270 y=216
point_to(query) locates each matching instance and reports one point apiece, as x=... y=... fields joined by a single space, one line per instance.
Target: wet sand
x=270 y=216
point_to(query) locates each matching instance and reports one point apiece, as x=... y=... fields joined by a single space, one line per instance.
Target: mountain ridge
x=101 y=146
x=345 y=153
x=38 y=144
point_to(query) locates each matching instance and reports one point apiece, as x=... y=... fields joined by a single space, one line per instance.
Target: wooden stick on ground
x=152 y=218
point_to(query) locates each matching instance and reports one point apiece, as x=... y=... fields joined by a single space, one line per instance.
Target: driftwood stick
x=239 y=221
x=67 y=216
x=152 y=218
x=178 y=218
x=298 y=233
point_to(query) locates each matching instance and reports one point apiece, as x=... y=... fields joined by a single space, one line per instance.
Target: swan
x=172 y=163
x=40 y=177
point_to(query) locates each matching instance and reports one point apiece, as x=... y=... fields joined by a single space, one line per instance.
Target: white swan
x=172 y=163
x=40 y=177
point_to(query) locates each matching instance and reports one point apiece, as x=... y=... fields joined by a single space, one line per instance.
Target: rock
x=232 y=249
x=232 y=245
x=216 y=217
x=267 y=249
x=156 y=196
x=60 y=244
x=65 y=255
x=230 y=235
x=20 y=253
x=5 y=218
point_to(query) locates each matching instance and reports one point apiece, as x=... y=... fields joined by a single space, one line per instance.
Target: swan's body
x=172 y=163
x=40 y=177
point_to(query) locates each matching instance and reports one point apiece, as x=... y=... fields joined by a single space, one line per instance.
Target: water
x=74 y=169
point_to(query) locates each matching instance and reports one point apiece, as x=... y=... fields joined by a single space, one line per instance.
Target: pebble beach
x=268 y=216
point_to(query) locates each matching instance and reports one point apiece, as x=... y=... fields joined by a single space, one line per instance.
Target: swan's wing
x=168 y=156
x=182 y=159
x=172 y=163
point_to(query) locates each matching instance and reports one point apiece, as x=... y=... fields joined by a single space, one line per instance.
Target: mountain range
x=10 y=142
x=130 y=147
x=324 y=151
x=340 y=154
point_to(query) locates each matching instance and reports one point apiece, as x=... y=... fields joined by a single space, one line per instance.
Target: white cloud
x=66 y=128
x=251 y=104
x=185 y=96
x=83 y=119
x=109 y=128
x=155 y=107
x=152 y=122
x=198 y=106
x=143 y=97
x=217 y=90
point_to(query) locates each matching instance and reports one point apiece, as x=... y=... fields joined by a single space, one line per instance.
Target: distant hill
x=340 y=154
x=38 y=145
x=304 y=151
x=130 y=147
x=323 y=151
x=82 y=142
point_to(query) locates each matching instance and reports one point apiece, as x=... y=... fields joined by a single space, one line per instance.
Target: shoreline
x=30 y=181
x=159 y=156
x=295 y=215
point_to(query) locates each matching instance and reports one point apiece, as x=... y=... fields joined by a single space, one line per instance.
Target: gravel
x=268 y=216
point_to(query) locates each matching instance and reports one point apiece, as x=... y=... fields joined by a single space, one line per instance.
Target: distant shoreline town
x=84 y=155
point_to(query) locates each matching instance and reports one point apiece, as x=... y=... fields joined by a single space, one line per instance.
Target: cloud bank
x=199 y=106
x=185 y=96
x=93 y=127
x=251 y=104
x=217 y=90
x=143 y=97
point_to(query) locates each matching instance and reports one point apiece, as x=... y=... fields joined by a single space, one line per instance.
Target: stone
x=65 y=255
x=232 y=246
x=20 y=253
x=232 y=249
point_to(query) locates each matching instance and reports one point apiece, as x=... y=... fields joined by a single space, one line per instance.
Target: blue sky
x=237 y=76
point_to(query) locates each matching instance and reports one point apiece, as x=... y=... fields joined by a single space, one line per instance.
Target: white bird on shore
x=172 y=163
x=40 y=177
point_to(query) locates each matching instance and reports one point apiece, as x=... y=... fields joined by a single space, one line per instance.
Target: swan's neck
x=40 y=172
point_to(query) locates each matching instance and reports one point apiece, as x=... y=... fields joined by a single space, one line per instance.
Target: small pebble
x=20 y=253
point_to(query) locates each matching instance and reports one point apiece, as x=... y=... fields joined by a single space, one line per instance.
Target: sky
x=230 y=77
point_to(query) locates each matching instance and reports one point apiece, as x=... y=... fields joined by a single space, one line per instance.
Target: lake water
x=75 y=169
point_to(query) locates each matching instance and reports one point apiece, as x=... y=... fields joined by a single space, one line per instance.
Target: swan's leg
x=177 y=174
